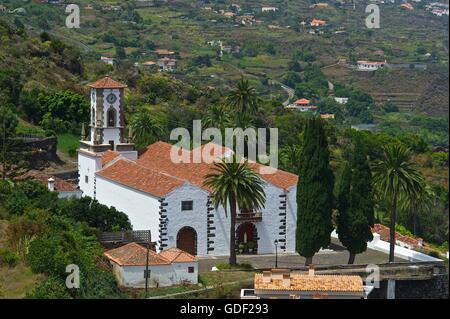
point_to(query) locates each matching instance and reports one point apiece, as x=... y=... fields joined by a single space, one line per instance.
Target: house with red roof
x=303 y=105
x=169 y=197
x=170 y=267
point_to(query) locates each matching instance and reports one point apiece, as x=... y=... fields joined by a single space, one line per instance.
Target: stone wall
x=434 y=288
x=35 y=152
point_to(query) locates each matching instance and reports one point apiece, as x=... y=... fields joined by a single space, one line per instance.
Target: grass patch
x=161 y=291
x=68 y=143
x=16 y=282
x=242 y=266
x=25 y=128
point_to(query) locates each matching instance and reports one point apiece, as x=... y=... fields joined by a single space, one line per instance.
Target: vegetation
x=394 y=177
x=48 y=234
x=355 y=203
x=314 y=216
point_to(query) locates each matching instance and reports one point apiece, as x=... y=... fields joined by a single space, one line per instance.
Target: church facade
x=169 y=198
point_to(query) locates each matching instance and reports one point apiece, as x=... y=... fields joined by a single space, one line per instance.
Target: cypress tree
x=355 y=204
x=314 y=192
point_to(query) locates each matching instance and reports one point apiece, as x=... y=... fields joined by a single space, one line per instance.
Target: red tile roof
x=383 y=231
x=156 y=173
x=302 y=101
x=133 y=254
x=108 y=156
x=175 y=255
x=139 y=177
x=107 y=83
x=60 y=184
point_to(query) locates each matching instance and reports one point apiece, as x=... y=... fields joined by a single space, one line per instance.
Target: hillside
x=267 y=45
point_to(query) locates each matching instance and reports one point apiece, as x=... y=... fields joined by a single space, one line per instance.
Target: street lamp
x=276 y=252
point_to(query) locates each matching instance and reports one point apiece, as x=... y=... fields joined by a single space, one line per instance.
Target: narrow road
x=290 y=92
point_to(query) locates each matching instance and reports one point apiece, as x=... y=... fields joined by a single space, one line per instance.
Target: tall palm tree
x=235 y=186
x=146 y=129
x=243 y=98
x=289 y=157
x=396 y=176
x=216 y=116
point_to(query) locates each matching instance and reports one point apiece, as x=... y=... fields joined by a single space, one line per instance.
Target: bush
x=8 y=257
x=52 y=288
x=243 y=266
x=434 y=254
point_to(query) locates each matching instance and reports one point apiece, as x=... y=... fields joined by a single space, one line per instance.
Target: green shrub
x=434 y=254
x=52 y=288
x=8 y=257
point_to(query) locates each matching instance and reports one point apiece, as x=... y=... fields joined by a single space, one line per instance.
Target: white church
x=169 y=198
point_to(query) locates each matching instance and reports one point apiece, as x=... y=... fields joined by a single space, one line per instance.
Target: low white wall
x=400 y=252
x=161 y=276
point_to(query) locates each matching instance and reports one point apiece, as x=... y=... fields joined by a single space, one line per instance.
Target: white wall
x=142 y=209
x=291 y=225
x=111 y=134
x=87 y=166
x=195 y=219
x=164 y=275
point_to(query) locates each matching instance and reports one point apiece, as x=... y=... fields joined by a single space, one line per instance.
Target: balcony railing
x=249 y=216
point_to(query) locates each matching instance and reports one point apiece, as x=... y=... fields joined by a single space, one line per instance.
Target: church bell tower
x=107 y=119
x=106 y=132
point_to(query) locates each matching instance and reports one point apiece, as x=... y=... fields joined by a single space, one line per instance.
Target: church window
x=111 y=118
x=187 y=205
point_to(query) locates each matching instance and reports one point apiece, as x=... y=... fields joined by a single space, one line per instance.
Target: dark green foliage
x=63 y=244
x=355 y=202
x=94 y=214
x=314 y=191
x=27 y=195
x=52 y=288
x=8 y=257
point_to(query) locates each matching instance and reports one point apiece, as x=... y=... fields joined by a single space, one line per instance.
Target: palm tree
x=396 y=176
x=216 y=116
x=243 y=98
x=146 y=129
x=289 y=157
x=422 y=202
x=236 y=186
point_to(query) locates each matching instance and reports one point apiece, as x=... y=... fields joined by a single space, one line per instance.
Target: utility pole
x=146 y=263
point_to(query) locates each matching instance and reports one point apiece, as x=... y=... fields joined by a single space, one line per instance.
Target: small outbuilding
x=170 y=267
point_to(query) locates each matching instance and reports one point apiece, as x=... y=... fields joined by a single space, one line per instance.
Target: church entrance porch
x=247 y=238
x=187 y=240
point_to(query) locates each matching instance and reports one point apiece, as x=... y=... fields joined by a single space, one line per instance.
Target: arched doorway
x=187 y=240
x=247 y=238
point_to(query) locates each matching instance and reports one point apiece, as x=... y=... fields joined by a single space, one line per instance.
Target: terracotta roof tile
x=175 y=255
x=107 y=83
x=136 y=176
x=157 y=157
x=335 y=283
x=133 y=254
x=384 y=233
x=108 y=156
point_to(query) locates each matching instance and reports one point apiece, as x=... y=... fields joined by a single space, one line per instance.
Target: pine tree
x=355 y=204
x=314 y=192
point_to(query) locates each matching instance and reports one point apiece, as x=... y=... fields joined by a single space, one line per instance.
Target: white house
x=170 y=267
x=168 y=197
x=369 y=65
x=167 y=64
x=269 y=9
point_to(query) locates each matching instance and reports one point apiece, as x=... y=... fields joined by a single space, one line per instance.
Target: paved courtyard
x=335 y=255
